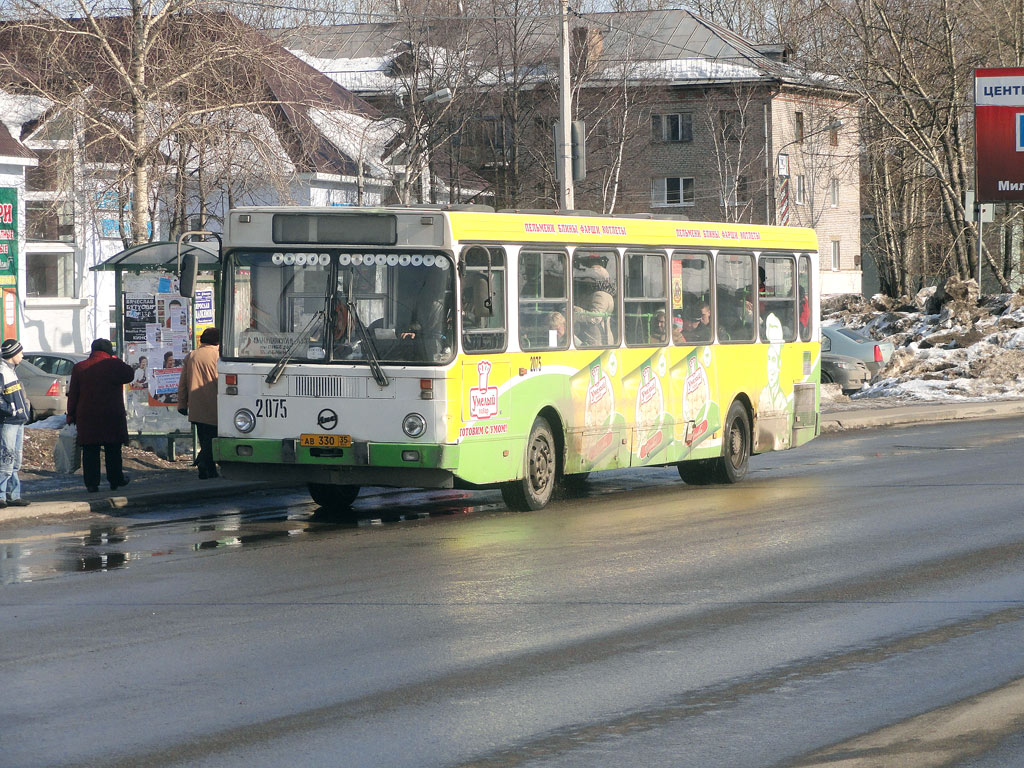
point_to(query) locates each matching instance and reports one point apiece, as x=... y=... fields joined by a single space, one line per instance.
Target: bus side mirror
x=187 y=274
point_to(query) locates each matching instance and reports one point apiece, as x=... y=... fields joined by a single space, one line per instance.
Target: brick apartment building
x=683 y=118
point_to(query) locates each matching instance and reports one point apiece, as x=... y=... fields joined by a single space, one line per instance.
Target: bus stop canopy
x=160 y=256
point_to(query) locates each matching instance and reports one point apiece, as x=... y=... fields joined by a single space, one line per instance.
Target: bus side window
x=483 y=301
x=595 y=296
x=804 y=298
x=543 y=303
x=735 y=297
x=692 y=321
x=777 y=296
x=645 y=300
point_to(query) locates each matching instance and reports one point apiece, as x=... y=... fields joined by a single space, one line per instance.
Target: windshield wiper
x=278 y=369
x=378 y=373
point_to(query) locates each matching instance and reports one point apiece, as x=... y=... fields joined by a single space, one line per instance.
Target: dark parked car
x=846 y=341
x=848 y=372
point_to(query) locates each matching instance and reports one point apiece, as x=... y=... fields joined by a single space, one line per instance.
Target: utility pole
x=566 y=195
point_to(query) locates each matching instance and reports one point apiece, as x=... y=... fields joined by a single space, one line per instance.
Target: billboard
x=9 y=261
x=999 y=134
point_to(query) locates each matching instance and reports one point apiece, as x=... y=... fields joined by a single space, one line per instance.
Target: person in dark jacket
x=14 y=412
x=96 y=405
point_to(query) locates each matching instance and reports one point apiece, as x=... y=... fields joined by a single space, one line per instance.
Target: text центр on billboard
x=999 y=134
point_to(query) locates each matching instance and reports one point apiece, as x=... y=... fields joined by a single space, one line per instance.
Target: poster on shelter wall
x=999 y=134
x=173 y=312
x=139 y=314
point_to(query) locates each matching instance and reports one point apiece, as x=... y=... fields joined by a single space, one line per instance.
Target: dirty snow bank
x=949 y=346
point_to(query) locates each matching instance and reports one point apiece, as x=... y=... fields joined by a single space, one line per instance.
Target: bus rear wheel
x=336 y=500
x=731 y=466
x=533 y=490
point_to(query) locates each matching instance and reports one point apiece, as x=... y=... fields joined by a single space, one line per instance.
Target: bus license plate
x=325 y=441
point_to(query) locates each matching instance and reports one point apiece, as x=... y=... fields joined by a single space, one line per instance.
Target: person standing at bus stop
x=14 y=413
x=197 y=397
x=96 y=406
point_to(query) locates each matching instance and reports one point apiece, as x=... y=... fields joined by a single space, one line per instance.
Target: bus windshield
x=307 y=305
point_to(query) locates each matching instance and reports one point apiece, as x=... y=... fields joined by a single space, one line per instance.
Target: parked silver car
x=38 y=372
x=848 y=372
x=47 y=393
x=846 y=341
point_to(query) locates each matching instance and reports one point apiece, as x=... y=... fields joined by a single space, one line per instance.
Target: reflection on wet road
x=180 y=532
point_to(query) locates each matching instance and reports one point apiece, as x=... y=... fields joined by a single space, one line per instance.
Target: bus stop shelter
x=154 y=322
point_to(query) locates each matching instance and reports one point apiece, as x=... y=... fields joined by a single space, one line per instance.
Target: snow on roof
x=361 y=74
x=17 y=110
x=358 y=136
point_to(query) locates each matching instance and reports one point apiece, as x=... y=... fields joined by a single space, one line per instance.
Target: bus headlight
x=414 y=425
x=245 y=420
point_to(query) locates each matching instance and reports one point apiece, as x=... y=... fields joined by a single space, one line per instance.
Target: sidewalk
x=52 y=494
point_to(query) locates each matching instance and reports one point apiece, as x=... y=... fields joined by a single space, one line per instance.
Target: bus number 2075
x=271 y=408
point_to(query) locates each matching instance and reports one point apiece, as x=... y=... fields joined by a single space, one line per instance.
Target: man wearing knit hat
x=14 y=412
x=197 y=397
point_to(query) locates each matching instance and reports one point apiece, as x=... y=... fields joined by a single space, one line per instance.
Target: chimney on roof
x=587 y=47
x=775 y=51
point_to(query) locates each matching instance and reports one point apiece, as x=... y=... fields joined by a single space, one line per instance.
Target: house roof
x=674 y=46
x=11 y=147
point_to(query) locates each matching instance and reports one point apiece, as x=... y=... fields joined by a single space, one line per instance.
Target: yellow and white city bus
x=440 y=347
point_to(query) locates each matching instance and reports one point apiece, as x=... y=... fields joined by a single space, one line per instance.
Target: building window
x=835 y=256
x=49 y=220
x=44 y=176
x=731 y=124
x=673 y=127
x=672 y=190
x=49 y=274
x=801 y=190
x=736 y=191
x=834 y=192
x=799 y=127
x=833 y=134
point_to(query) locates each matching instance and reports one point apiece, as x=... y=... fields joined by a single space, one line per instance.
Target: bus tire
x=533 y=490
x=731 y=466
x=696 y=472
x=334 y=499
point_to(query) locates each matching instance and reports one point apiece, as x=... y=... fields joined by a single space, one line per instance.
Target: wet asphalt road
x=860 y=601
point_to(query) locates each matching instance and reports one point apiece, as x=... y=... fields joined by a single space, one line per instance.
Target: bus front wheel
x=533 y=490
x=731 y=466
x=334 y=499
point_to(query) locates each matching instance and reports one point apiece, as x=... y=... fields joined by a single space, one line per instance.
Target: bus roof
x=555 y=228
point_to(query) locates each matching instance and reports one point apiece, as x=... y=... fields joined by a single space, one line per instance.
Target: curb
x=839 y=421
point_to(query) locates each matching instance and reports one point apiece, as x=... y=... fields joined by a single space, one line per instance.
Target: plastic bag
x=67 y=454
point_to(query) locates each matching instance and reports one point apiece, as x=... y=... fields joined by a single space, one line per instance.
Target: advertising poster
x=163 y=384
x=173 y=313
x=139 y=314
x=9 y=259
x=999 y=134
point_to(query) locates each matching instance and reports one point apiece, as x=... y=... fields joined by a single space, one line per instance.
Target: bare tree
x=136 y=84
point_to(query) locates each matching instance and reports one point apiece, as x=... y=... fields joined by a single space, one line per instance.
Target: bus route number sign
x=325 y=441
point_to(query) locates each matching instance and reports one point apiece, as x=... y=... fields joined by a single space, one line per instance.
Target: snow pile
x=949 y=346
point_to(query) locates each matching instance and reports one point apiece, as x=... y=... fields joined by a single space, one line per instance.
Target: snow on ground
x=949 y=346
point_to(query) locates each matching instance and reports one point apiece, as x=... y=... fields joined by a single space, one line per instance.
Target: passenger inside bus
x=659 y=328
x=595 y=307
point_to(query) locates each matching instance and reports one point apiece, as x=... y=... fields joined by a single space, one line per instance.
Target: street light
x=782 y=160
